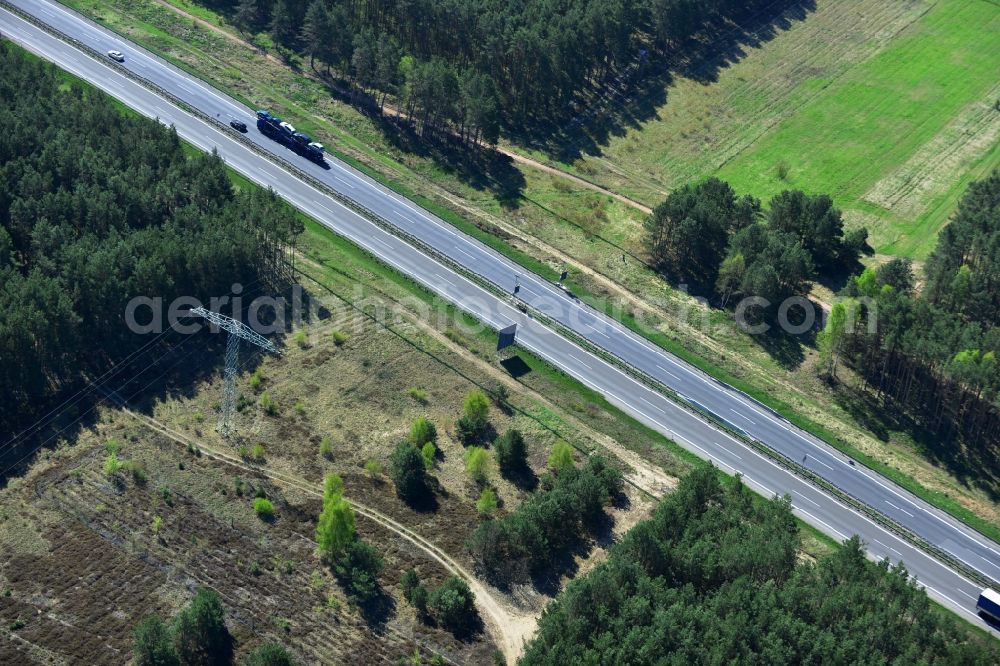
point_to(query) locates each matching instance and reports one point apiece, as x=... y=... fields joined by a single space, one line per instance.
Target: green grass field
x=888 y=107
x=852 y=139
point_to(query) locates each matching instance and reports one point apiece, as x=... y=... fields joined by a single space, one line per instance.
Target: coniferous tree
x=339 y=37
x=316 y=29
x=152 y=644
x=283 y=25
x=364 y=64
x=249 y=15
x=511 y=452
x=200 y=632
x=386 y=66
x=269 y=654
x=932 y=355
x=713 y=577
x=407 y=469
x=689 y=231
x=818 y=226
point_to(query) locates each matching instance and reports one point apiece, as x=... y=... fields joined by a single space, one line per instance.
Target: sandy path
x=509 y=629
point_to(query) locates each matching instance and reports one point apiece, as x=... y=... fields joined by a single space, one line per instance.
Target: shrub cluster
x=198 y=635
x=406 y=465
x=545 y=525
x=355 y=562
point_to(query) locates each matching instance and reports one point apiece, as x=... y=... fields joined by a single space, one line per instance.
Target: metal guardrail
x=854 y=503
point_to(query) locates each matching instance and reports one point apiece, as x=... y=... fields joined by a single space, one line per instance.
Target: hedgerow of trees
x=713 y=578
x=933 y=355
x=474 y=64
x=529 y=540
x=97 y=207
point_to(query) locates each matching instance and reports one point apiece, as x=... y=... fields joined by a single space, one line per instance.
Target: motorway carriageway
x=648 y=406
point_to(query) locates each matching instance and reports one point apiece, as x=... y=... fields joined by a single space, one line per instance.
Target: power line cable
x=94 y=385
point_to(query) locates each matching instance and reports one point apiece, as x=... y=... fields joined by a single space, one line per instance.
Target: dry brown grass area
x=359 y=395
x=103 y=568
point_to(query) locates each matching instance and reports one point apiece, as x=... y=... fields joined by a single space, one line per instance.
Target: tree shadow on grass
x=837 y=277
x=548 y=581
x=171 y=367
x=472 y=630
x=378 y=610
x=621 y=502
x=602 y=528
x=604 y=108
x=786 y=349
x=610 y=107
x=566 y=563
x=523 y=478
x=484 y=437
x=478 y=167
x=424 y=502
x=863 y=408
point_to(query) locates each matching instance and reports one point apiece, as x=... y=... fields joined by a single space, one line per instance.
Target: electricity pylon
x=237 y=331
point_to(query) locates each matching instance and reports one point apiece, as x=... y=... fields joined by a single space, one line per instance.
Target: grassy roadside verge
x=320 y=243
x=936 y=498
x=542 y=376
x=329 y=248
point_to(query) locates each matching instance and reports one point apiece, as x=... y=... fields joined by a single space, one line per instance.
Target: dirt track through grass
x=510 y=629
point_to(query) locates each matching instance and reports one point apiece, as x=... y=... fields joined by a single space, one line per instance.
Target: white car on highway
x=117 y=56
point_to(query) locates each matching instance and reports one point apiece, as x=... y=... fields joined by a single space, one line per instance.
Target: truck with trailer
x=989 y=604
x=274 y=127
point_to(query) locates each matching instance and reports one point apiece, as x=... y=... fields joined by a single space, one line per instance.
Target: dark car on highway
x=238 y=125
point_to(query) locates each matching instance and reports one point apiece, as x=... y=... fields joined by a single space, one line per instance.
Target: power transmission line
x=92 y=385
x=237 y=331
x=81 y=394
x=96 y=403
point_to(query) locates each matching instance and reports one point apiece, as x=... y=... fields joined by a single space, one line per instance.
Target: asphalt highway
x=651 y=407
